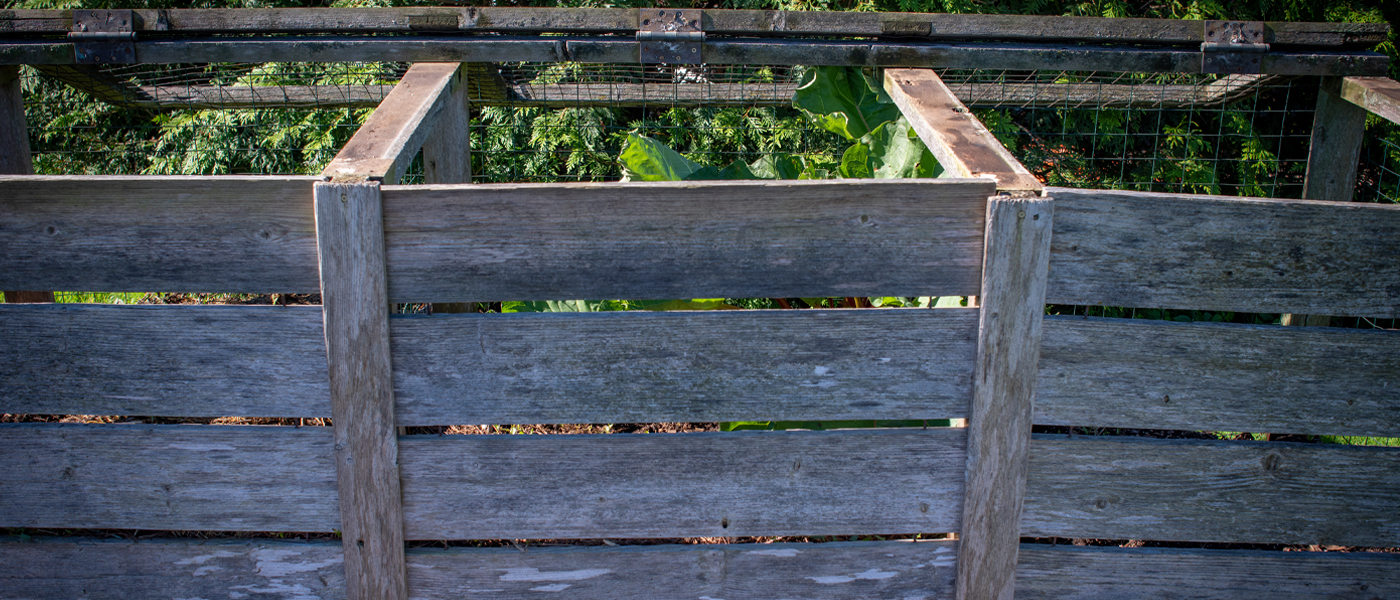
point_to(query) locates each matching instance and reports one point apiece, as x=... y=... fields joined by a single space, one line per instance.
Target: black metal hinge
x=1233 y=47
x=103 y=36
x=671 y=36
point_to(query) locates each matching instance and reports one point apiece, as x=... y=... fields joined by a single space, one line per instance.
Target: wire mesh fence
x=1378 y=177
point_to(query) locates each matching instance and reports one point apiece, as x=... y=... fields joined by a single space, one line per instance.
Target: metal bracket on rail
x=671 y=36
x=1233 y=47
x=103 y=36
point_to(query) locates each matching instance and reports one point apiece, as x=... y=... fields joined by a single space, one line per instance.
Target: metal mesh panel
x=1378 y=177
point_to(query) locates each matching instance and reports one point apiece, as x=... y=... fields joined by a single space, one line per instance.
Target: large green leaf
x=896 y=152
x=645 y=159
x=777 y=166
x=845 y=100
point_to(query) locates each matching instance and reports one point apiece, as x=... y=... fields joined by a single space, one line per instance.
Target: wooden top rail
x=384 y=146
x=720 y=22
x=894 y=569
x=956 y=138
x=1380 y=95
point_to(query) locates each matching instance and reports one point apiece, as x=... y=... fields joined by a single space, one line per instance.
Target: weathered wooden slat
x=684 y=366
x=232 y=97
x=1094 y=573
x=734 y=22
x=97 y=569
x=158 y=234
x=960 y=142
x=684 y=240
x=1012 y=304
x=354 y=296
x=683 y=485
x=14 y=155
x=1204 y=491
x=178 y=477
x=116 y=570
x=179 y=361
x=383 y=147
x=1379 y=95
x=1141 y=374
x=1149 y=250
x=1334 y=151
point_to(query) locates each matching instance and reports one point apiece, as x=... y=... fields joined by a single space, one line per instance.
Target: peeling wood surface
x=682 y=485
x=1140 y=374
x=642 y=367
x=94 y=569
x=1150 y=250
x=731 y=22
x=350 y=241
x=962 y=145
x=185 y=361
x=1093 y=573
x=155 y=233
x=72 y=567
x=1206 y=491
x=1334 y=152
x=1011 y=306
x=384 y=146
x=564 y=241
x=1379 y=95
x=174 y=477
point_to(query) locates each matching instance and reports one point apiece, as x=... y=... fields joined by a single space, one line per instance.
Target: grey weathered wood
x=350 y=242
x=1012 y=303
x=734 y=22
x=684 y=366
x=158 y=234
x=684 y=240
x=97 y=569
x=186 y=361
x=179 y=477
x=447 y=151
x=384 y=146
x=346 y=49
x=1142 y=374
x=960 y=142
x=682 y=485
x=231 y=96
x=1096 y=573
x=1335 y=149
x=1378 y=95
x=1207 y=491
x=1149 y=250
x=14 y=154
x=825 y=571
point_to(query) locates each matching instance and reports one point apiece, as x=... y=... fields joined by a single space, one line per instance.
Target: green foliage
x=845 y=100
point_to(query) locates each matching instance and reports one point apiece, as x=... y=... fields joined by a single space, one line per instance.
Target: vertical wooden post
x=1015 y=266
x=355 y=301
x=447 y=152
x=1338 y=127
x=447 y=155
x=14 y=152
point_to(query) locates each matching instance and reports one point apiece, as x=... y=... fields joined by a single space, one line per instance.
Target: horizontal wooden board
x=1142 y=374
x=1184 y=251
x=733 y=22
x=182 y=477
x=1207 y=491
x=367 y=49
x=1096 y=573
x=684 y=366
x=168 y=569
x=682 y=485
x=742 y=239
x=171 y=361
x=97 y=569
x=158 y=234
x=1379 y=95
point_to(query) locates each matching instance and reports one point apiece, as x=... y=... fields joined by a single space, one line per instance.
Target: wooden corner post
x=355 y=301
x=1335 y=151
x=14 y=152
x=1015 y=266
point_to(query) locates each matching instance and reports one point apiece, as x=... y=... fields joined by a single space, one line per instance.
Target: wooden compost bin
x=992 y=232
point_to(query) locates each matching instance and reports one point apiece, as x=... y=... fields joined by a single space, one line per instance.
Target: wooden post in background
x=447 y=155
x=355 y=304
x=14 y=152
x=1015 y=268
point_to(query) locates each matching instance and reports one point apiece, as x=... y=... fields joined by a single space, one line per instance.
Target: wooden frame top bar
x=1379 y=95
x=715 y=22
